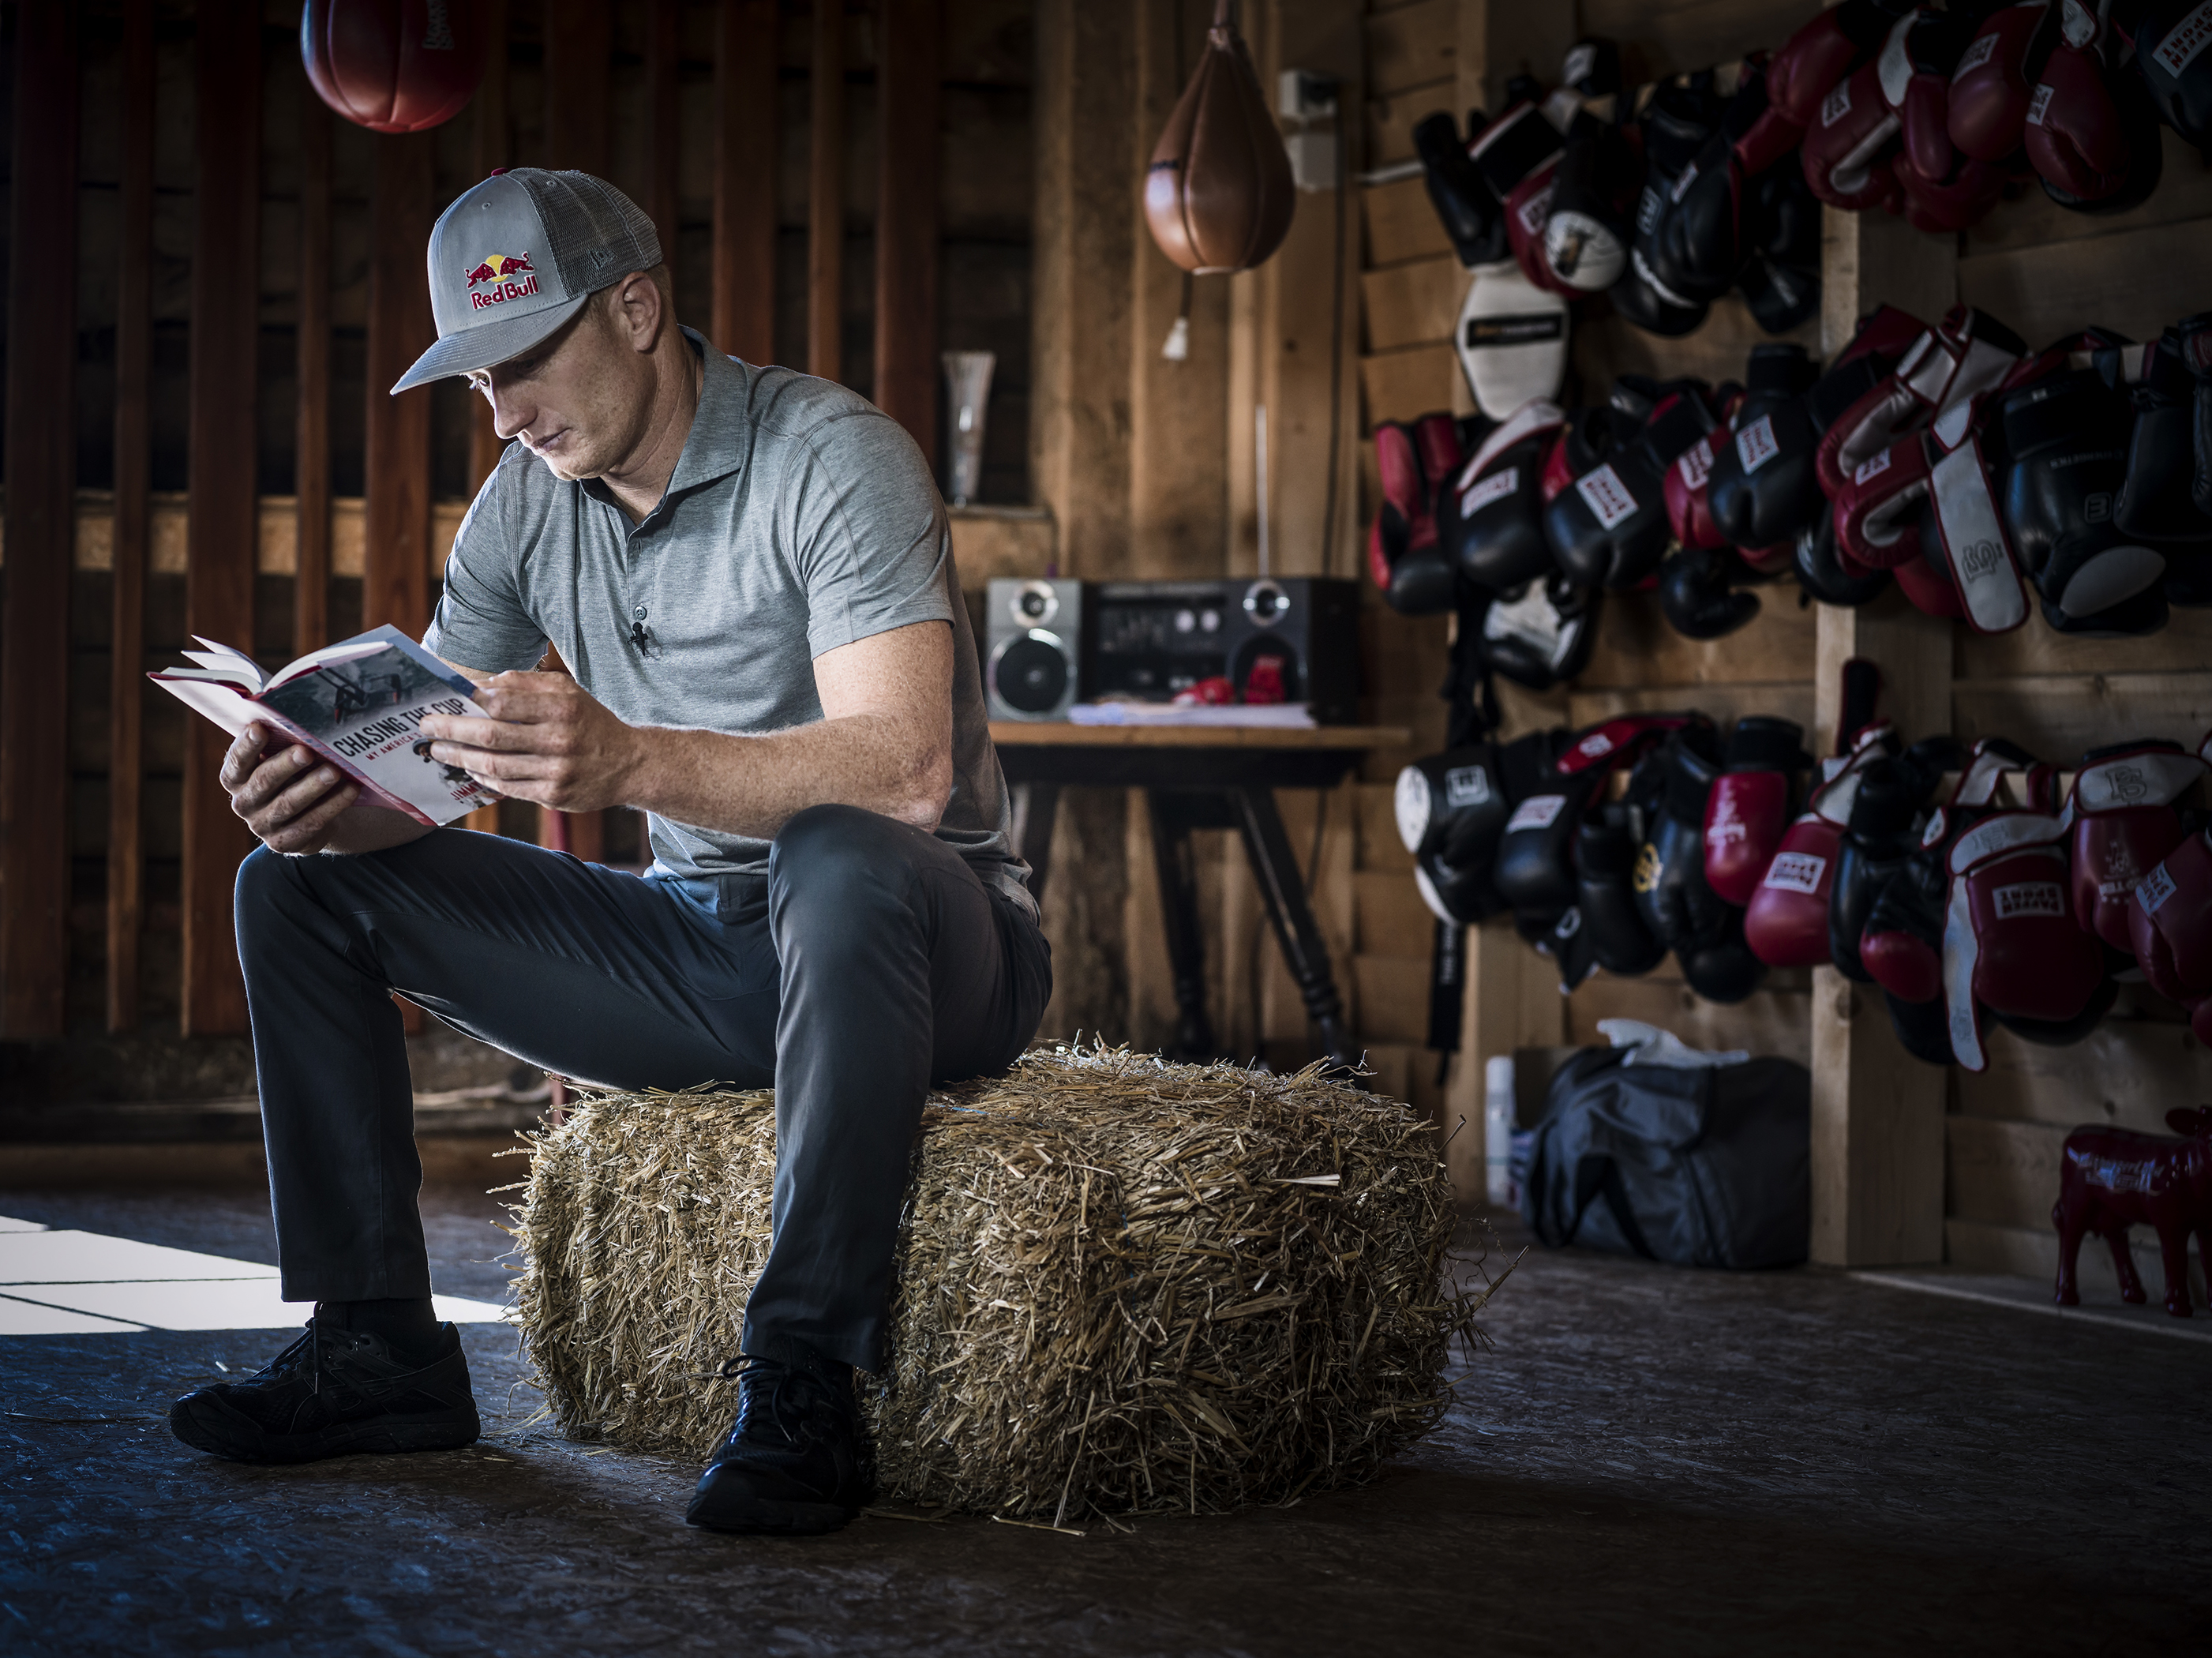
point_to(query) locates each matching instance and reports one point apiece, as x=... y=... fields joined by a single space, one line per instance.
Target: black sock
x=408 y=1323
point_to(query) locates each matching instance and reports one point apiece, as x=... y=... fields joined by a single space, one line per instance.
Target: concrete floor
x=1648 y=1462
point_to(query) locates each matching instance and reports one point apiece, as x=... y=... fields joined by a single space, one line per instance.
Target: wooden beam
x=826 y=194
x=397 y=575
x=311 y=466
x=664 y=105
x=126 y=682
x=488 y=152
x=579 y=41
x=745 y=132
x=40 y=466
x=908 y=51
x=225 y=519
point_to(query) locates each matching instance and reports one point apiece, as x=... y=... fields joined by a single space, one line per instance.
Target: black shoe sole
x=221 y=1433
x=759 y=1517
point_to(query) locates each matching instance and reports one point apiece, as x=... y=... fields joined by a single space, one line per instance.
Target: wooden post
x=311 y=581
x=224 y=523
x=488 y=152
x=825 y=195
x=396 y=587
x=40 y=466
x=744 y=179
x=578 y=42
x=907 y=73
x=663 y=83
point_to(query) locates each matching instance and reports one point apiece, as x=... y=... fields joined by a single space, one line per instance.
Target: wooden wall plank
x=745 y=131
x=219 y=578
x=489 y=149
x=663 y=94
x=1610 y=346
x=2033 y=1252
x=311 y=465
x=1636 y=646
x=1669 y=40
x=396 y=586
x=906 y=117
x=126 y=682
x=825 y=193
x=1408 y=383
x=1413 y=304
x=2129 y=1073
x=1392 y=118
x=1765 y=1022
x=2002 y=1172
x=40 y=466
x=579 y=37
x=1389 y=917
x=2056 y=717
x=2136 y=281
x=1412 y=45
x=1400 y=223
x=2185 y=642
x=2184 y=191
x=1393 y=997
x=1725 y=703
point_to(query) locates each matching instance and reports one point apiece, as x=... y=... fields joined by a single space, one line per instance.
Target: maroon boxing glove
x=1786 y=922
x=2170 y=923
x=2073 y=133
x=1968 y=353
x=1748 y=809
x=1995 y=81
x=2010 y=943
x=1518 y=156
x=2123 y=824
x=1823 y=53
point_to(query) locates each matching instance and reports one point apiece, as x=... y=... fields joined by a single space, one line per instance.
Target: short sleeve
x=866 y=532
x=481 y=622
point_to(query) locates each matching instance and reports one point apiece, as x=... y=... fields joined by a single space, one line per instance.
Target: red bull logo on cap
x=502 y=277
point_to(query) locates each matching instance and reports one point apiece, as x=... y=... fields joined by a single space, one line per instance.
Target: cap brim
x=488 y=343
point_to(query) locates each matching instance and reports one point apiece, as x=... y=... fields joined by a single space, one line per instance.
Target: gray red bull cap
x=513 y=258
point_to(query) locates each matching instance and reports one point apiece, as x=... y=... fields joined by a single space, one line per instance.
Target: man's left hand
x=547 y=741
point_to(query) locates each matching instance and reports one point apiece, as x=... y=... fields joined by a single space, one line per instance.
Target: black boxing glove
x=1674 y=129
x=1451 y=808
x=1490 y=513
x=1673 y=898
x=1468 y=212
x=1612 y=926
x=1697 y=593
x=1879 y=839
x=1609 y=527
x=1820 y=571
x=1765 y=486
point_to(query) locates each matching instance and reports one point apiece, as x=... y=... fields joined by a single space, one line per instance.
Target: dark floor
x=1648 y=1462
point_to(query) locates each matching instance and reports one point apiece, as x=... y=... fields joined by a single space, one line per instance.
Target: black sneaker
x=334 y=1391
x=796 y=1461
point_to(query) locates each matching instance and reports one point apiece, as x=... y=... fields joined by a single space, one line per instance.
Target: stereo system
x=1279 y=639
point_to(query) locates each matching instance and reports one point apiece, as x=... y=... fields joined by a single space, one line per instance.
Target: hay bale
x=1121 y=1284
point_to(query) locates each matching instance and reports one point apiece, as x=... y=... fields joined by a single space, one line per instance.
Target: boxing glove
x=2067 y=438
x=2157 y=502
x=1781 y=278
x=2123 y=822
x=1594 y=194
x=1786 y=921
x=1463 y=203
x=2170 y=923
x=1765 y=486
x=1702 y=241
x=2170 y=41
x=1511 y=340
x=1535 y=871
x=1539 y=634
x=1518 y=156
x=1697 y=593
x=1747 y=809
x=1609 y=527
x=1490 y=513
x=1674 y=128
x=2193 y=337
x=1823 y=53
x=2073 y=134
x=1676 y=902
x=1849 y=144
x=2010 y=943
x=1879 y=838
x=1994 y=81
x=1820 y=573
x=1451 y=808
x=1605 y=894
x=1689 y=499
x=1967 y=353
x=1404 y=557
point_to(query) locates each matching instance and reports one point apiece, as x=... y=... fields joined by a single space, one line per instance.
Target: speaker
x=1300 y=633
x=1034 y=640
x=1151 y=640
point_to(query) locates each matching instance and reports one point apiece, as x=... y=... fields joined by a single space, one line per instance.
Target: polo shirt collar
x=714 y=447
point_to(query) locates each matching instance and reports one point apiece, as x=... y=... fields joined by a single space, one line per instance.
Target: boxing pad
x=1539 y=635
x=1451 y=808
x=1747 y=809
x=1511 y=340
x=1994 y=83
x=2170 y=923
x=2010 y=943
x=1967 y=353
x=2170 y=41
x=1489 y=515
x=2123 y=823
x=1218 y=194
x=1765 y=485
x=1463 y=203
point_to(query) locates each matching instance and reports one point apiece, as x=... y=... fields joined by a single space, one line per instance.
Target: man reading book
x=749 y=574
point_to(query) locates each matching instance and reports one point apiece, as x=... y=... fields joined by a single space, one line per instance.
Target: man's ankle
x=408 y=1324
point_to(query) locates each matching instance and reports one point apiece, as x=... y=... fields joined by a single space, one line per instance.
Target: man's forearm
x=754 y=785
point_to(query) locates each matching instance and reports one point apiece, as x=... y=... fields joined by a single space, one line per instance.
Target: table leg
x=1282 y=888
x=1178 y=878
x=1035 y=807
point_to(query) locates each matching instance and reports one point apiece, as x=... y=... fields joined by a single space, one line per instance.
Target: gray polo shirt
x=800 y=518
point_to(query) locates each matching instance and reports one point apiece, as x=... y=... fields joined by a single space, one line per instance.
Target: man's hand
x=290 y=798
x=547 y=741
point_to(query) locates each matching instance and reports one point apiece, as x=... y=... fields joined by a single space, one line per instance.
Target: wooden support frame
x=664 y=140
x=579 y=41
x=126 y=682
x=744 y=309
x=224 y=524
x=311 y=473
x=909 y=55
x=396 y=585
x=40 y=465
x=489 y=151
x=825 y=195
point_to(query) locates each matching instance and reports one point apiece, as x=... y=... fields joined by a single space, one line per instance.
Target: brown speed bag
x=1218 y=194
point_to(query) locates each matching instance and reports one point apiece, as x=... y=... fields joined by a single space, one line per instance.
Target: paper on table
x=1281 y=716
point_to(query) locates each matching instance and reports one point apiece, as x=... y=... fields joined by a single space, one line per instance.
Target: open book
x=358 y=704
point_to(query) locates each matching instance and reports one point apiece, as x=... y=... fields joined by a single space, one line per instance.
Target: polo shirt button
x=638 y=613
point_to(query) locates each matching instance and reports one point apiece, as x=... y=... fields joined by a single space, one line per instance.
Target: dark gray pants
x=873 y=963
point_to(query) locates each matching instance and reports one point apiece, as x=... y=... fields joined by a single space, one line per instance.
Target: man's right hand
x=288 y=796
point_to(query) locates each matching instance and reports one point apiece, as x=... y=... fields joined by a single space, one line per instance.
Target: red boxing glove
x=1847 y=148
x=1994 y=83
x=2009 y=940
x=1518 y=156
x=1822 y=54
x=2170 y=923
x=1689 y=509
x=1878 y=509
x=2123 y=824
x=1786 y=922
x=2073 y=134
x=1968 y=353
x=1749 y=807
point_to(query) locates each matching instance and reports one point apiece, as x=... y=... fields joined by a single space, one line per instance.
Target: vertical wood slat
x=397 y=563
x=665 y=137
x=41 y=463
x=311 y=585
x=578 y=42
x=826 y=194
x=489 y=151
x=223 y=526
x=744 y=179
x=127 y=684
x=907 y=99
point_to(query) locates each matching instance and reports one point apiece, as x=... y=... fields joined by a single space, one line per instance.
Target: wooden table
x=1199 y=777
